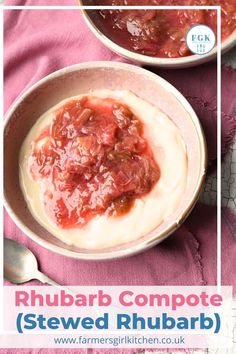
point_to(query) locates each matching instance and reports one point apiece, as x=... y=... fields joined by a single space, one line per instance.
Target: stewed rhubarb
x=92 y=159
x=162 y=33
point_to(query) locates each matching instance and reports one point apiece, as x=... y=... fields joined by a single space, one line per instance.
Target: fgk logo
x=200 y=39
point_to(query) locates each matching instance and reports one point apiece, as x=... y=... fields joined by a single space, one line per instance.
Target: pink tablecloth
x=40 y=42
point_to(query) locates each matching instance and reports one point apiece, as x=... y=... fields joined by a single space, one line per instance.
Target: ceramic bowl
x=92 y=20
x=80 y=79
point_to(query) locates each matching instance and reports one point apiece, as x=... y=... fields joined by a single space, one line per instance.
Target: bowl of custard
x=102 y=160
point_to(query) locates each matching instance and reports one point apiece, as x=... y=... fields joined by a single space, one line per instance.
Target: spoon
x=20 y=264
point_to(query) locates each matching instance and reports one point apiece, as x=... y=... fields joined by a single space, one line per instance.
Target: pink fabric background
x=40 y=42
x=31 y=52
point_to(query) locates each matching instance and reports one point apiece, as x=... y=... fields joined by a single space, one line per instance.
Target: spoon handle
x=45 y=279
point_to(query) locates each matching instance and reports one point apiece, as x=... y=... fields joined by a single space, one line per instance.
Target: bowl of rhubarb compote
x=158 y=36
x=102 y=160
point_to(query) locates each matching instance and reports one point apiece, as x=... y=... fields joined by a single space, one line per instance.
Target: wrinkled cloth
x=40 y=42
x=41 y=2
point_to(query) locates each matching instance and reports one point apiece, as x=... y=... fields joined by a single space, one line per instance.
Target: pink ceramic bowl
x=79 y=79
x=92 y=20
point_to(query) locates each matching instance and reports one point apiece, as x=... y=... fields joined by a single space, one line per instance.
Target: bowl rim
x=181 y=62
x=141 y=245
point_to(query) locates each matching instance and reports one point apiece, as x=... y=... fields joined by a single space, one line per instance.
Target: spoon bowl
x=20 y=264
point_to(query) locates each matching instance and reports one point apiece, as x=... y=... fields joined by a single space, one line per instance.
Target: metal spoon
x=20 y=264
